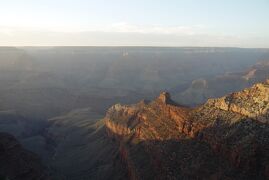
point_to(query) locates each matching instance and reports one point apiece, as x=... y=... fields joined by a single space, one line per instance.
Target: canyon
x=92 y=112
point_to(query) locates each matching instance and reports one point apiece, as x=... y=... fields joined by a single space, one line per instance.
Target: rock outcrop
x=252 y=102
x=226 y=138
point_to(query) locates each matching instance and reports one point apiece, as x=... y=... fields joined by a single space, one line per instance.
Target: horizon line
x=135 y=46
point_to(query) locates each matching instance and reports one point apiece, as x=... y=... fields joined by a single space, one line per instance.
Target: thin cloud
x=121 y=27
x=151 y=29
x=124 y=34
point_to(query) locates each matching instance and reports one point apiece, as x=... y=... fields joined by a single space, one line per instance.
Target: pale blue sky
x=241 y=23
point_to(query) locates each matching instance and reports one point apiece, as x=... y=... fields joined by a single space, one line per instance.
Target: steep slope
x=226 y=138
x=81 y=149
x=30 y=133
x=237 y=127
x=18 y=163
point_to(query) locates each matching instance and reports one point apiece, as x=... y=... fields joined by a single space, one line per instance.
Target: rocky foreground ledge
x=226 y=138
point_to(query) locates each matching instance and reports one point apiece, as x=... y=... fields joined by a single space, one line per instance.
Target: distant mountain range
x=43 y=82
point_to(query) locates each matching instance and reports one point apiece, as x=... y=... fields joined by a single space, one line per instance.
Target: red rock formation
x=224 y=138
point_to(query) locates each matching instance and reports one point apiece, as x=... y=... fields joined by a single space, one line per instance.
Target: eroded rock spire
x=165 y=97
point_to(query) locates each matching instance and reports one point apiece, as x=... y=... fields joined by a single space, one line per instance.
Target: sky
x=224 y=23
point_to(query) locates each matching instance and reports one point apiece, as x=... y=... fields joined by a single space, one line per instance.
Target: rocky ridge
x=252 y=102
x=226 y=138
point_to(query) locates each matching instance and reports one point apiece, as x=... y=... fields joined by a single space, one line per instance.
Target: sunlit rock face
x=252 y=102
x=224 y=138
